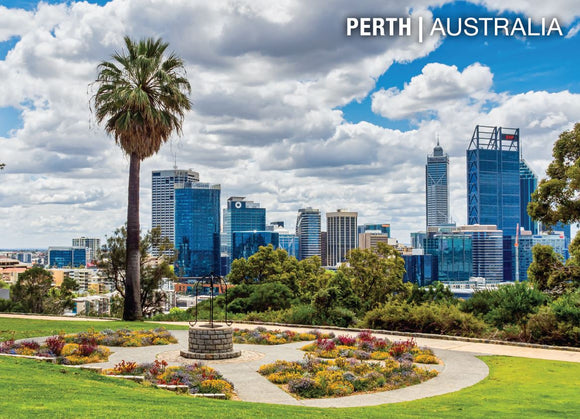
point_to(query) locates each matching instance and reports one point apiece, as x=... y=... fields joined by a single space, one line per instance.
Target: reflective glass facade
x=163 y=199
x=493 y=178
x=241 y=215
x=454 y=254
x=436 y=187
x=246 y=243
x=308 y=232
x=528 y=184
x=526 y=243
x=69 y=257
x=290 y=243
x=420 y=269
x=197 y=229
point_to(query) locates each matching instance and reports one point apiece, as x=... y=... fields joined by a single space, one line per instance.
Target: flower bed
x=123 y=337
x=57 y=348
x=199 y=378
x=365 y=346
x=263 y=336
x=314 y=378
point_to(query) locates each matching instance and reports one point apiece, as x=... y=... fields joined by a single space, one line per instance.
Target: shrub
x=426 y=318
x=55 y=344
x=426 y=359
x=305 y=387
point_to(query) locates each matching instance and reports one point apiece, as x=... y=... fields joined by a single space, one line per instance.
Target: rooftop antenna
x=437 y=134
x=174 y=161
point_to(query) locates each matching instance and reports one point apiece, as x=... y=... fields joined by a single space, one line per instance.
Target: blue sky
x=518 y=65
x=275 y=117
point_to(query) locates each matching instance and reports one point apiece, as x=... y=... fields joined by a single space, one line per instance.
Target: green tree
x=545 y=263
x=375 y=274
x=112 y=261
x=142 y=98
x=32 y=289
x=557 y=197
x=514 y=304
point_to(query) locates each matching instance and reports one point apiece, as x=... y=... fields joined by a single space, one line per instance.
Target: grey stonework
x=206 y=342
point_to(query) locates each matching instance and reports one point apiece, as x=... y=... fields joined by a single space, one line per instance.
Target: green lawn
x=516 y=387
x=27 y=328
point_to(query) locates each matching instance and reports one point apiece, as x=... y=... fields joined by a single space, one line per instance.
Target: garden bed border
x=415 y=335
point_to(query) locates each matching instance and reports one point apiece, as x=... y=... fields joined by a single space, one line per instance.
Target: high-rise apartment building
x=91 y=244
x=342 y=235
x=197 y=229
x=436 y=187
x=241 y=215
x=308 y=232
x=528 y=184
x=493 y=178
x=163 y=199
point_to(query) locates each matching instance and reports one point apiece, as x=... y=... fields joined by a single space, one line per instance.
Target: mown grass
x=27 y=328
x=516 y=387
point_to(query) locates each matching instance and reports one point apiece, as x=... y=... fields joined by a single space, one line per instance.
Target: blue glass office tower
x=308 y=232
x=493 y=178
x=528 y=184
x=241 y=215
x=436 y=187
x=246 y=243
x=67 y=256
x=454 y=253
x=528 y=241
x=197 y=229
x=493 y=185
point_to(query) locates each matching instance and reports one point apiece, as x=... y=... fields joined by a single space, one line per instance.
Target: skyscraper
x=163 y=199
x=493 y=178
x=342 y=235
x=241 y=215
x=308 y=232
x=528 y=184
x=197 y=228
x=436 y=187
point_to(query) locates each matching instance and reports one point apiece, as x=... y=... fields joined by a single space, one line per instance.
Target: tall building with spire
x=436 y=187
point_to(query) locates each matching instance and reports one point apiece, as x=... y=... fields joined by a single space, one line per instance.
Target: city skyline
x=287 y=110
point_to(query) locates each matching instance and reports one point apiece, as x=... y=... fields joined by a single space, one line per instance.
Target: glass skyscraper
x=527 y=242
x=528 y=184
x=163 y=199
x=436 y=187
x=308 y=232
x=488 y=251
x=197 y=229
x=246 y=243
x=454 y=253
x=493 y=178
x=420 y=269
x=241 y=215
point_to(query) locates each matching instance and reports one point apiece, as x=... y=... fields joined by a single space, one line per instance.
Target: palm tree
x=142 y=97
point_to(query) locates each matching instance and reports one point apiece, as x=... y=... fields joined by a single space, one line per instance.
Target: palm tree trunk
x=132 y=309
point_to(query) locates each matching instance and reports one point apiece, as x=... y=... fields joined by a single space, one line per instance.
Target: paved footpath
x=461 y=367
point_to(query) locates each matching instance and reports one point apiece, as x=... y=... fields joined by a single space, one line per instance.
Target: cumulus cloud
x=437 y=86
x=268 y=81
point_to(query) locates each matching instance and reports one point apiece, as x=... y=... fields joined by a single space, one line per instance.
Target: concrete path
x=460 y=370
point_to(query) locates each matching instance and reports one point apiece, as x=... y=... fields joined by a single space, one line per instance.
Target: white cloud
x=437 y=86
x=267 y=79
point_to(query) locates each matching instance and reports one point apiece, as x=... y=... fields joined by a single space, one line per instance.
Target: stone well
x=210 y=341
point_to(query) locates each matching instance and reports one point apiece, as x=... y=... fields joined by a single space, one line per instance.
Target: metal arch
x=213 y=280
